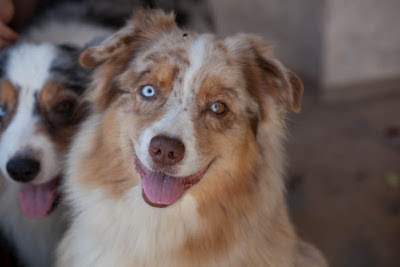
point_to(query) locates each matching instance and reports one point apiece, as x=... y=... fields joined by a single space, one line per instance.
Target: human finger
x=7 y=33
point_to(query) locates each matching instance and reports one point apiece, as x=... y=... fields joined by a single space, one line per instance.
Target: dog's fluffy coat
x=236 y=214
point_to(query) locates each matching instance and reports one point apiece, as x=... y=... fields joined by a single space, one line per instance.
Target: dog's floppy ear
x=285 y=84
x=144 y=25
x=278 y=81
x=94 y=56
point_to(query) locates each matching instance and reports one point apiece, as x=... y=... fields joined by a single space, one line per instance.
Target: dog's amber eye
x=218 y=108
x=64 y=107
x=62 y=112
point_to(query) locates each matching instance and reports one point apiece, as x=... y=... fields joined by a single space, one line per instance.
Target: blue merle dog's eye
x=3 y=111
x=3 y=115
x=148 y=91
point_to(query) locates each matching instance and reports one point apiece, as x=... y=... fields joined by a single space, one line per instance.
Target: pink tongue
x=36 y=201
x=161 y=189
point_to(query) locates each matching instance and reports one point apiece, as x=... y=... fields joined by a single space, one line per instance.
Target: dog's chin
x=39 y=200
x=160 y=189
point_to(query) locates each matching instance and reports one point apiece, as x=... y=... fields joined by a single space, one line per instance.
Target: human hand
x=7 y=35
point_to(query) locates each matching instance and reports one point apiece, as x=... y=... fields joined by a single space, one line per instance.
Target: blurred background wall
x=346 y=49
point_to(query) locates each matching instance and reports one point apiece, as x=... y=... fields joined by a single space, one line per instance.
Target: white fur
x=29 y=64
x=197 y=53
x=179 y=116
x=93 y=228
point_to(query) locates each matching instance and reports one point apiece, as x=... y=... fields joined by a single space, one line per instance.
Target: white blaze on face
x=28 y=69
x=197 y=53
x=29 y=65
x=177 y=122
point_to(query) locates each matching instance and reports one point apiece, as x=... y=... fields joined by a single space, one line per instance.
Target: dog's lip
x=58 y=177
x=187 y=181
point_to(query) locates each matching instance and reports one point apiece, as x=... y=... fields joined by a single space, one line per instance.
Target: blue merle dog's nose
x=23 y=169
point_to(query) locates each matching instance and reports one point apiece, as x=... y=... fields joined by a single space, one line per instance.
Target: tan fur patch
x=297 y=85
x=104 y=167
x=160 y=76
x=233 y=202
x=54 y=91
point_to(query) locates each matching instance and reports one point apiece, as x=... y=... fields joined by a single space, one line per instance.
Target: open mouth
x=160 y=189
x=37 y=201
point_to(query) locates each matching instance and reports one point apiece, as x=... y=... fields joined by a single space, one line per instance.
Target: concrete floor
x=344 y=180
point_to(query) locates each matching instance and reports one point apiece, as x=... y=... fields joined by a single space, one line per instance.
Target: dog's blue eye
x=2 y=112
x=148 y=91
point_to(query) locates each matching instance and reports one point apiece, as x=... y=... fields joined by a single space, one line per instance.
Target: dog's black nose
x=165 y=150
x=23 y=169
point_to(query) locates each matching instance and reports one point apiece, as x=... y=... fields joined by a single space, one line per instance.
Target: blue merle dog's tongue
x=36 y=201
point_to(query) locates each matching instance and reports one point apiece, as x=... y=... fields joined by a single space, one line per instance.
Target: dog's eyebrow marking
x=154 y=58
x=229 y=91
x=141 y=74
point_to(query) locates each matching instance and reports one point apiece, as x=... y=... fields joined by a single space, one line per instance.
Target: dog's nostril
x=165 y=150
x=171 y=155
x=23 y=169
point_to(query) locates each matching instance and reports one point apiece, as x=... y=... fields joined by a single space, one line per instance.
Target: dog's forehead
x=28 y=65
x=194 y=60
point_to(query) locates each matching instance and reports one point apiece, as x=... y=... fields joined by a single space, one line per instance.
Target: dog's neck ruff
x=160 y=189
